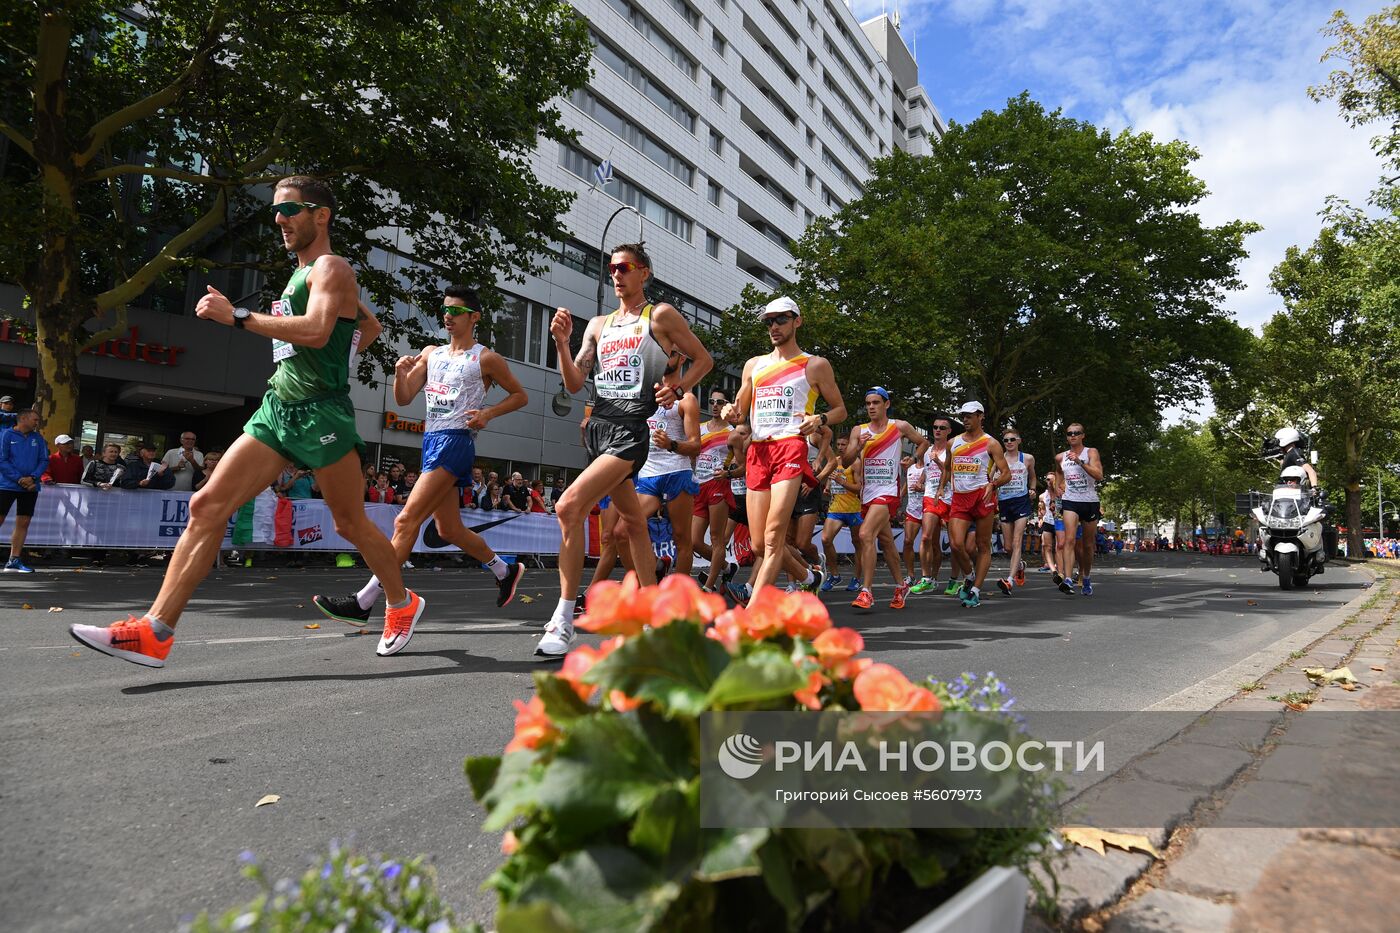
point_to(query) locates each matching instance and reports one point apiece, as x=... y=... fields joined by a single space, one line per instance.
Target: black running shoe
x=579 y=607
x=663 y=567
x=1005 y=587
x=1066 y=587
x=343 y=609
x=506 y=587
x=727 y=575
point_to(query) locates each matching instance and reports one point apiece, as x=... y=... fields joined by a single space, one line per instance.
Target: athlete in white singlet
x=667 y=476
x=876 y=447
x=455 y=377
x=1051 y=528
x=913 y=515
x=713 y=498
x=1016 y=503
x=1079 y=471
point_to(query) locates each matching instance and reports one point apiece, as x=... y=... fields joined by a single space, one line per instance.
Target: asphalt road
x=126 y=794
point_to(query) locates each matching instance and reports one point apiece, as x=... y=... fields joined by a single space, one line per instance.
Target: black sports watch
x=240 y=317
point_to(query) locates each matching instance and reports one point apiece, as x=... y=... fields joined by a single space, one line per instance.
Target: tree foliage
x=144 y=139
x=1036 y=263
x=1367 y=86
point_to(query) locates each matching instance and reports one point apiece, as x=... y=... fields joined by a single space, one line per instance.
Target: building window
x=811 y=98
x=716 y=142
x=716 y=193
x=718 y=44
x=551 y=354
x=716 y=92
x=712 y=245
x=811 y=179
x=653 y=34
x=635 y=76
x=626 y=129
x=508 y=328
x=687 y=12
x=653 y=209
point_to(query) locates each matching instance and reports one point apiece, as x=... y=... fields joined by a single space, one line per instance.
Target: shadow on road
x=464 y=663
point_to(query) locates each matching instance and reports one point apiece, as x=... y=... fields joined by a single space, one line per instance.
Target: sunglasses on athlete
x=455 y=310
x=293 y=208
x=622 y=268
x=779 y=319
x=1074 y=434
x=1008 y=440
x=718 y=400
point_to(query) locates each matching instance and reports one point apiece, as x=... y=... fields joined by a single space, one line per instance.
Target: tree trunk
x=1351 y=481
x=56 y=388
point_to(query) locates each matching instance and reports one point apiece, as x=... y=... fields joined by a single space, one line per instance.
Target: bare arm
x=1093 y=465
x=854 y=443
x=1030 y=473
x=737 y=411
x=820 y=377
x=690 y=417
x=369 y=327
x=496 y=371
x=410 y=375
x=333 y=287
x=574 y=371
x=826 y=456
x=921 y=443
x=671 y=325
x=1002 y=474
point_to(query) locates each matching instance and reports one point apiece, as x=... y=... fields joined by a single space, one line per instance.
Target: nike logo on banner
x=433 y=539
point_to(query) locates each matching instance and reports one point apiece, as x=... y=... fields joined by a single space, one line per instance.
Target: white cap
x=970 y=407
x=780 y=305
x=63 y=439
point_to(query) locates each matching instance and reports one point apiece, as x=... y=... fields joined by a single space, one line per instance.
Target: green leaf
x=656 y=823
x=776 y=862
x=604 y=771
x=515 y=790
x=603 y=888
x=673 y=666
x=481 y=773
x=731 y=853
x=765 y=673
x=561 y=703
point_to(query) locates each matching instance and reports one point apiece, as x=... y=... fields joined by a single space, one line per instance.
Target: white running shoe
x=558 y=636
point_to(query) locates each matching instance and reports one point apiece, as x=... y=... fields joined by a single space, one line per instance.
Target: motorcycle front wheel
x=1286 y=562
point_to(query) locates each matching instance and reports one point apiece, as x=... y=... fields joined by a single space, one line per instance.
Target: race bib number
x=969 y=467
x=441 y=397
x=281 y=349
x=774 y=408
x=620 y=367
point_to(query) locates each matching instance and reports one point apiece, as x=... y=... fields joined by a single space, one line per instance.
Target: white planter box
x=994 y=903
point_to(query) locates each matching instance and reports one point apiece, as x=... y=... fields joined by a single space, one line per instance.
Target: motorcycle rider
x=1290 y=441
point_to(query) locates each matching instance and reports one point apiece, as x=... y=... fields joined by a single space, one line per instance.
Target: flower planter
x=994 y=903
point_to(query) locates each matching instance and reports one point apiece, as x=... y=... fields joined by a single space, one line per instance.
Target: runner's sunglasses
x=293 y=208
x=622 y=268
x=455 y=310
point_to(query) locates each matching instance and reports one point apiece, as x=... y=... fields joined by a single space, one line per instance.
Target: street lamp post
x=603 y=246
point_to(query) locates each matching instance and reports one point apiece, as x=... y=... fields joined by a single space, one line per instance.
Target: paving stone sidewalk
x=1228 y=796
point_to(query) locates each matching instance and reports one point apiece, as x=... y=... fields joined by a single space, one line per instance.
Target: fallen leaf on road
x=1349 y=688
x=301 y=605
x=267 y=800
x=1251 y=602
x=1296 y=707
x=55 y=609
x=1341 y=675
x=527 y=599
x=312 y=625
x=26 y=606
x=77 y=654
x=1376 y=667
x=1090 y=837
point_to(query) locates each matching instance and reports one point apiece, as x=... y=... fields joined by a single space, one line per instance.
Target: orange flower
x=765 y=612
x=922 y=700
x=532 y=726
x=509 y=843
x=807 y=696
x=618 y=608
x=622 y=702
x=680 y=597
x=849 y=670
x=728 y=629
x=882 y=688
x=837 y=645
x=806 y=616
x=577 y=663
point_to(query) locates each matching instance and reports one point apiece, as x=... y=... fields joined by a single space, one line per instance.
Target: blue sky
x=1229 y=76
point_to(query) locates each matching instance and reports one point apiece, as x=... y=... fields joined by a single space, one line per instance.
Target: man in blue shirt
x=23 y=458
x=8 y=415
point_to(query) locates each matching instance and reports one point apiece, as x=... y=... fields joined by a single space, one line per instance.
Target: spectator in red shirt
x=65 y=466
x=381 y=491
x=537 y=497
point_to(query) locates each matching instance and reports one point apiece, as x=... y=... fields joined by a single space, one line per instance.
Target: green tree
x=1039 y=264
x=1332 y=357
x=144 y=139
x=1367 y=87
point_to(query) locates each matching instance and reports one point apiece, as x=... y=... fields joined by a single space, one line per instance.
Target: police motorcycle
x=1291 y=523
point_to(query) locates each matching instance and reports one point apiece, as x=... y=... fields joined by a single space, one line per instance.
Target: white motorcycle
x=1290 y=531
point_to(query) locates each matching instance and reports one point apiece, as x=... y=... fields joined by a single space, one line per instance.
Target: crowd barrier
x=87 y=517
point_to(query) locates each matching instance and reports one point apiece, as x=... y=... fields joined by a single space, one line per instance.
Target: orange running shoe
x=864 y=600
x=1021 y=574
x=399 y=625
x=131 y=640
x=900 y=592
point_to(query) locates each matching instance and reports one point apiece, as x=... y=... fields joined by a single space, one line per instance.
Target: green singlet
x=306 y=415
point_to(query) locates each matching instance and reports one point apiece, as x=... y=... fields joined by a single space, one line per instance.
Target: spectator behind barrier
x=144 y=471
x=183 y=462
x=107 y=472
x=65 y=466
x=8 y=416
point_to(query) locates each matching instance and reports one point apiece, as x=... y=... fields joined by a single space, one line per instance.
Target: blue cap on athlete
x=781 y=305
x=880 y=391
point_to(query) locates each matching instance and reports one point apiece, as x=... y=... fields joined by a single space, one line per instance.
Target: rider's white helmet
x=1286 y=436
x=1294 y=473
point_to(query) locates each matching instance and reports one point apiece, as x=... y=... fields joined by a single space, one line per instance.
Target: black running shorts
x=627 y=440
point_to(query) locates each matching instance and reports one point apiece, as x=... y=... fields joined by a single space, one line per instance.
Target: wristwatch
x=825 y=419
x=240 y=317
